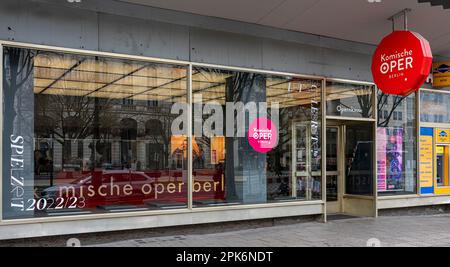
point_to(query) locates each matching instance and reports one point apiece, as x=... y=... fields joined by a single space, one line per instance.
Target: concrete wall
x=113 y=26
x=130 y=221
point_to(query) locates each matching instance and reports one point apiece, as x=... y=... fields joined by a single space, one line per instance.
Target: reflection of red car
x=102 y=188
x=67 y=176
x=127 y=187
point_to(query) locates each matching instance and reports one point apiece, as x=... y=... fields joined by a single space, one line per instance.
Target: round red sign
x=401 y=63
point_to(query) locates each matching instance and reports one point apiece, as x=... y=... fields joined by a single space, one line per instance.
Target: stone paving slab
x=404 y=231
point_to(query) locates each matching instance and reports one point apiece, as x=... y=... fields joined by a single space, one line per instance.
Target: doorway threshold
x=340 y=216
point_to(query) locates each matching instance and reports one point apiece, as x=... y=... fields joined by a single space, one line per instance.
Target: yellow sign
x=442 y=136
x=426 y=161
x=441 y=74
x=440 y=150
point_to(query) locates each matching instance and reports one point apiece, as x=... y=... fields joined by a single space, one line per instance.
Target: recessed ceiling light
x=74 y=1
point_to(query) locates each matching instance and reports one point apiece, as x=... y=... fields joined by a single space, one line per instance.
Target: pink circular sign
x=263 y=135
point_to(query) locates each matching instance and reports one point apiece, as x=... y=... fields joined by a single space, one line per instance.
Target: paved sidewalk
x=415 y=231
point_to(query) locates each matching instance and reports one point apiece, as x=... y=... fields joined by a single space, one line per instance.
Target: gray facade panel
x=226 y=48
x=32 y=22
x=292 y=57
x=346 y=65
x=186 y=37
x=305 y=59
x=133 y=36
x=217 y=24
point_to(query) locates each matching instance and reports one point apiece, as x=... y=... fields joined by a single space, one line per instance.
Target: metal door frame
x=334 y=207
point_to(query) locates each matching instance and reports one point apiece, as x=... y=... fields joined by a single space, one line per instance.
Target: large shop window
x=396 y=144
x=87 y=134
x=228 y=106
x=349 y=100
x=92 y=135
x=434 y=107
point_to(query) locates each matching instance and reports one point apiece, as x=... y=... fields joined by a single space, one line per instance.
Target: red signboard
x=402 y=63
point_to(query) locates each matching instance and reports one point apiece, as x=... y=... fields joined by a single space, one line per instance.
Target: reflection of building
x=124 y=139
x=433 y=106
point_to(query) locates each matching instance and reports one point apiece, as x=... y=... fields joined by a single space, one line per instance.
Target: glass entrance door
x=334 y=179
x=350 y=168
x=359 y=165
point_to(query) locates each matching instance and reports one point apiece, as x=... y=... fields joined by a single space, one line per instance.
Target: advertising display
x=441 y=157
x=442 y=136
x=401 y=63
x=390 y=159
x=263 y=135
x=426 y=161
x=381 y=159
x=441 y=74
x=18 y=130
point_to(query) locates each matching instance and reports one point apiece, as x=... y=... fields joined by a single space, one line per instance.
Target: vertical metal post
x=189 y=139
x=1 y=133
x=403 y=13
x=418 y=131
x=375 y=154
x=405 y=17
x=324 y=148
x=294 y=159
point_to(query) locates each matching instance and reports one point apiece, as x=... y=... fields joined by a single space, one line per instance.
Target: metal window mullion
x=1 y=133
x=294 y=160
x=418 y=130
x=324 y=148
x=189 y=139
x=374 y=152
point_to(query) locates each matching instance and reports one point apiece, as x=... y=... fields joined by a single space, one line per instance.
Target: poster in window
x=390 y=159
x=381 y=159
x=394 y=156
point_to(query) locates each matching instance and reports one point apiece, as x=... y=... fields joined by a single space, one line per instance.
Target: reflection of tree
x=165 y=134
x=364 y=100
x=17 y=93
x=159 y=130
x=21 y=63
x=239 y=88
x=287 y=115
x=382 y=105
x=77 y=118
x=241 y=83
x=284 y=138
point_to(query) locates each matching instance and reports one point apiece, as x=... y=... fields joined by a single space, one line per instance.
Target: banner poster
x=426 y=161
x=381 y=159
x=394 y=155
x=390 y=159
x=18 y=133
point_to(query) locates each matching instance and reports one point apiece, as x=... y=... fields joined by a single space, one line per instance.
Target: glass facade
x=91 y=135
x=397 y=144
x=86 y=134
x=230 y=101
